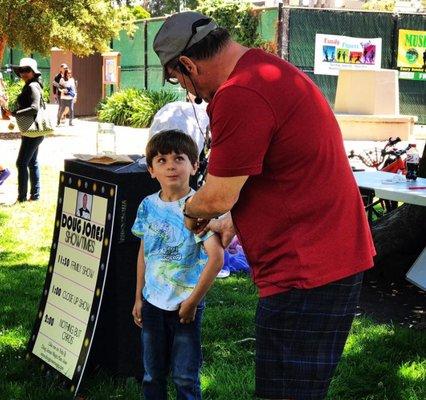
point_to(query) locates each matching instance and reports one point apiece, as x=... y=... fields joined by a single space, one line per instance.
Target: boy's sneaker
x=4 y=175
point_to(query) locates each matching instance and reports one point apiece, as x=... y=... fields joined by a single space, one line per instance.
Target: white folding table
x=387 y=186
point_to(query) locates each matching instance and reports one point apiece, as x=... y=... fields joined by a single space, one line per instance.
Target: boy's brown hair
x=166 y=142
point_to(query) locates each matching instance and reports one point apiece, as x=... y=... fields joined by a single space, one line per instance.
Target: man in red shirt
x=278 y=164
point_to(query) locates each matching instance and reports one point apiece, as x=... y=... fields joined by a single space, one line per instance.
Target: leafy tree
x=238 y=17
x=379 y=5
x=158 y=8
x=140 y=13
x=82 y=26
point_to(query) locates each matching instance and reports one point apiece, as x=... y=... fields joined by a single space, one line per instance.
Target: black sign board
x=69 y=307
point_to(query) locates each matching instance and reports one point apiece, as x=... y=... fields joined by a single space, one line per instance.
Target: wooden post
x=145 y=54
x=103 y=85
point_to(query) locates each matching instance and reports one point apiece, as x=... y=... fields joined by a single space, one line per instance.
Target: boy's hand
x=196 y=225
x=187 y=311
x=137 y=312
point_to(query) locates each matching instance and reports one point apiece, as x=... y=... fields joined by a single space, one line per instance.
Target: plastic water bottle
x=412 y=162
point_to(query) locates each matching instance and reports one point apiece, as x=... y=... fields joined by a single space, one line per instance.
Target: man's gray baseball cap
x=179 y=32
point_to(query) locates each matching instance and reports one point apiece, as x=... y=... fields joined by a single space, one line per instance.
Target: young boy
x=175 y=269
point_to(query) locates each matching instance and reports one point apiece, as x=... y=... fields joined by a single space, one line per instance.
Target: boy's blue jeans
x=169 y=346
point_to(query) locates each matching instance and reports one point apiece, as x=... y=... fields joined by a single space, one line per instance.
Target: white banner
x=333 y=53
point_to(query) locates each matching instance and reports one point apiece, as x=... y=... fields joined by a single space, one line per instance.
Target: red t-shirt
x=299 y=217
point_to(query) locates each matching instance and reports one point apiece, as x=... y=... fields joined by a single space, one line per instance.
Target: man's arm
x=216 y=197
x=140 y=284
x=214 y=251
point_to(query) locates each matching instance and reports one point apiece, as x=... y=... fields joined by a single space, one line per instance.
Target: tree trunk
x=3 y=44
x=400 y=237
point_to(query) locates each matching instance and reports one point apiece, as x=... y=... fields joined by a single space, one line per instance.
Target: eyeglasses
x=172 y=81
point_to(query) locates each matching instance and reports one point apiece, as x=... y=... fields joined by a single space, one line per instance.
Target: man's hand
x=223 y=226
x=137 y=312
x=187 y=311
x=196 y=225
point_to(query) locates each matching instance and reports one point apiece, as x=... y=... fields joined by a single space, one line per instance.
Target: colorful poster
x=75 y=278
x=333 y=53
x=411 y=60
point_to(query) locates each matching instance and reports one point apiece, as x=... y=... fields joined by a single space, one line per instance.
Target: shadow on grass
x=381 y=363
x=20 y=291
x=45 y=248
x=11 y=258
x=25 y=380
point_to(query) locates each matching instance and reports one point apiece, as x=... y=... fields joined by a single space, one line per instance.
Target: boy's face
x=172 y=170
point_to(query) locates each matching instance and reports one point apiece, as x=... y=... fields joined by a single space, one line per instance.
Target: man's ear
x=190 y=66
x=195 y=168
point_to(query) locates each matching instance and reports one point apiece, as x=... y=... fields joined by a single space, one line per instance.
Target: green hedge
x=134 y=107
x=14 y=87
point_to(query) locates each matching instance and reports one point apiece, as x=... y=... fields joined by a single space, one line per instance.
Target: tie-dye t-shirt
x=174 y=256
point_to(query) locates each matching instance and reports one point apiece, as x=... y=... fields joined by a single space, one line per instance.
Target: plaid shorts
x=300 y=335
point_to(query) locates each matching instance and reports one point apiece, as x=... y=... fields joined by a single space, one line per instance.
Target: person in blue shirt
x=175 y=269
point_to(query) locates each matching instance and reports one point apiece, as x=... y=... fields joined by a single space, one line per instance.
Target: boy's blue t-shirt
x=174 y=256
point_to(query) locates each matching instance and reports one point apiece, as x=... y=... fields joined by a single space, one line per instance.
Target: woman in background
x=68 y=91
x=28 y=105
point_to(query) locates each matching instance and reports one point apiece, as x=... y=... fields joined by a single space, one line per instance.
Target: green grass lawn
x=380 y=362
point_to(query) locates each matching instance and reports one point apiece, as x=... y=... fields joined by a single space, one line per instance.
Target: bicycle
x=388 y=159
x=382 y=160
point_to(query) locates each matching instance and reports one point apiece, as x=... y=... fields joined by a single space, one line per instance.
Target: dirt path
x=67 y=141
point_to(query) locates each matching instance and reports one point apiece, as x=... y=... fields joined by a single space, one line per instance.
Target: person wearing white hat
x=187 y=117
x=26 y=65
x=28 y=104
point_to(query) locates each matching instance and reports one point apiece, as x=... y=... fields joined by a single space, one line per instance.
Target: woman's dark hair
x=166 y=142
x=205 y=48
x=66 y=73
